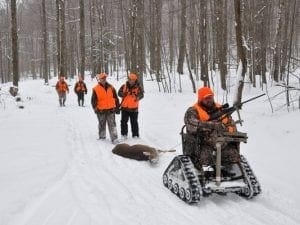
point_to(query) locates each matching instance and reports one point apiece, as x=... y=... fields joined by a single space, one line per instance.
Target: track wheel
x=170 y=184
x=245 y=193
x=188 y=195
x=175 y=189
x=165 y=180
x=182 y=193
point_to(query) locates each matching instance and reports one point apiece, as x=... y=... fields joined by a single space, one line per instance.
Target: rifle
x=226 y=110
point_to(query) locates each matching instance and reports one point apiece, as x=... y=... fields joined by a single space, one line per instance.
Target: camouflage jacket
x=208 y=130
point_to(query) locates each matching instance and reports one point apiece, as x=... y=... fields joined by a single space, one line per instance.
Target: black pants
x=125 y=115
x=80 y=97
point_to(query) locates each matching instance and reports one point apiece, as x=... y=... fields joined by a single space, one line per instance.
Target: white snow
x=54 y=171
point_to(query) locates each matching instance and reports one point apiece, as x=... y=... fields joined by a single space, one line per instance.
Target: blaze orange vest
x=62 y=86
x=80 y=87
x=130 y=101
x=105 y=98
x=204 y=116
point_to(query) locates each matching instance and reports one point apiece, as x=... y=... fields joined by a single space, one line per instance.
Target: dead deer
x=139 y=152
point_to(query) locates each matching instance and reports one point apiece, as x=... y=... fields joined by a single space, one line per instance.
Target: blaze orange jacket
x=204 y=116
x=62 y=86
x=130 y=100
x=80 y=87
x=105 y=97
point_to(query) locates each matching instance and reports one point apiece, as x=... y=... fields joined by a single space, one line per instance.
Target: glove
x=96 y=110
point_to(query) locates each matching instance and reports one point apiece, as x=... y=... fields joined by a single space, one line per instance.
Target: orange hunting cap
x=132 y=76
x=102 y=75
x=204 y=92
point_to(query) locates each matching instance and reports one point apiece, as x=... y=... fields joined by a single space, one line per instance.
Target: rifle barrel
x=252 y=98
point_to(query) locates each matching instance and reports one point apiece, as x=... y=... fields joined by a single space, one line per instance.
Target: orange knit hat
x=132 y=76
x=204 y=92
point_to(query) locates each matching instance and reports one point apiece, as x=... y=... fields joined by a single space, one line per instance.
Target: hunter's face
x=208 y=101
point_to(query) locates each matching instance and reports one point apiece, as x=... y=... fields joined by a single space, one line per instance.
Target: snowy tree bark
x=82 y=38
x=240 y=50
x=203 y=44
x=45 y=43
x=182 y=45
x=14 y=43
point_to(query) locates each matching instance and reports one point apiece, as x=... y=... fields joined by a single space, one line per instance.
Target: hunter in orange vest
x=105 y=103
x=80 y=89
x=131 y=93
x=62 y=89
x=197 y=122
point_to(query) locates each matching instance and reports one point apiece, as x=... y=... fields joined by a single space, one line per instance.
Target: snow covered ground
x=54 y=171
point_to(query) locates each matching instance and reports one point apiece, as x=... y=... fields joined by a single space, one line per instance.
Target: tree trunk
x=140 y=30
x=240 y=49
x=203 y=44
x=45 y=43
x=221 y=39
x=63 y=46
x=58 y=44
x=277 y=49
x=14 y=43
x=171 y=36
x=152 y=40
x=1 y=62
x=182 y=45
x=93 y=59
x=157 y=51
x=133 y=18
x=82 y=38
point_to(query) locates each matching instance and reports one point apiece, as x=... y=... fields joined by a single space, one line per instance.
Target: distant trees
x=165 y=38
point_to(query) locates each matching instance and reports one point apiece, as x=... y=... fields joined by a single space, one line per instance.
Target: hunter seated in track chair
x=220 y=152
x=211 y=160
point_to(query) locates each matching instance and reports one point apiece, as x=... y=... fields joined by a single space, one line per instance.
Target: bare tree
x=1 y=62
x=240 y=49
x=14 y=42
x=141 y=61
x=182 y=45
x=203 y=43
x=82 y=38
x=45 y=43
x=61 y=37
x=221 y=39
x=58 y=36
x=277 y=49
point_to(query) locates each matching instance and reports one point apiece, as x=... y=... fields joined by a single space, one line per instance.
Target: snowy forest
x=54 y=167
x=161 y=38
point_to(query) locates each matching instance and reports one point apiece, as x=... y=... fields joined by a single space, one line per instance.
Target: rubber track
x=187 y=168
x=253 y=184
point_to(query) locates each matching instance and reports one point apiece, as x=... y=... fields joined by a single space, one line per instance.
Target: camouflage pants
x=109 y=118
x=206 y=154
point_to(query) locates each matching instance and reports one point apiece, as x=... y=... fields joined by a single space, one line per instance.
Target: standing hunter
x=105 y=103
x=131 y=93
x=197 y=122
x=62 y=89
x=80 y=90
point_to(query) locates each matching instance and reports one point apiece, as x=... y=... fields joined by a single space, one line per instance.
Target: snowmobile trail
x=96 y=187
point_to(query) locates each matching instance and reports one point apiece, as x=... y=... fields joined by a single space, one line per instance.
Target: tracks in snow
x=101 y=188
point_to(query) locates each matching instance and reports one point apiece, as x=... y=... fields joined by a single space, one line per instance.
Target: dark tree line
x=163 y=38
